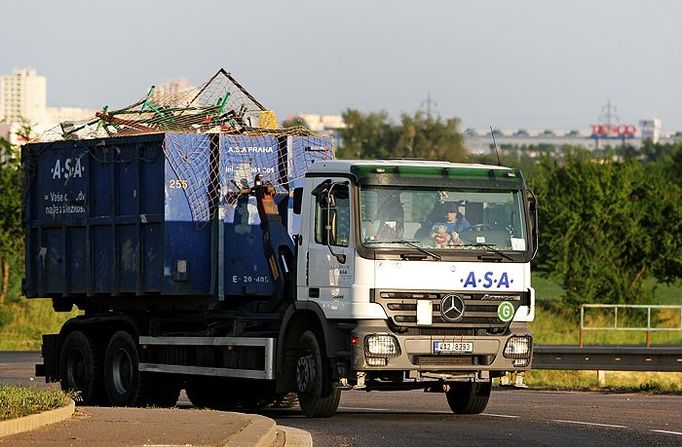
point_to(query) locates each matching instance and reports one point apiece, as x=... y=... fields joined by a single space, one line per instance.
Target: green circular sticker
x=505 y=311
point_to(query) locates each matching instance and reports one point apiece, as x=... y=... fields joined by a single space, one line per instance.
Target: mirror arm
x=533 y=209
x=340 y=257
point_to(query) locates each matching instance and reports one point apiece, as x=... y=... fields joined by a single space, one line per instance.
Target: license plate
x=446 y=346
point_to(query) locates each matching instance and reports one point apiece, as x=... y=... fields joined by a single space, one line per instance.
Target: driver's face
x=451 y=216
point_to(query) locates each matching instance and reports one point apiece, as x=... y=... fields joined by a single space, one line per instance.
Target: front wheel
x=468 y=397
x=318 y=396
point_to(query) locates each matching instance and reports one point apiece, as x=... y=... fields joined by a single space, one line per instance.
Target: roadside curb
x=295 y=437
x=33 y=421
x=260 y=432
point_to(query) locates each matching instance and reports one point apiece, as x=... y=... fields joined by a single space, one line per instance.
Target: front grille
x=480 y=311
x=443 y=360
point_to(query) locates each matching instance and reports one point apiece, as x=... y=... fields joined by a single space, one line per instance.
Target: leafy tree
x=422 y=136
x=11 y=208
x=373 y=135
x=606 y=227
x=368 y=135
x=11 y=230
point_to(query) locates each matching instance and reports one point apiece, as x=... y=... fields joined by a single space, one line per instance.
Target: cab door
x=326 y=258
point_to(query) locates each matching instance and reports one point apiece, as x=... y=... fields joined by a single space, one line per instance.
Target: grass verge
x=18 y=402
x=556 y=325
x=618 y=381
x=553 y=326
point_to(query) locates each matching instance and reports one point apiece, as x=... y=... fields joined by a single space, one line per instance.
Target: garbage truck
x=199 y=261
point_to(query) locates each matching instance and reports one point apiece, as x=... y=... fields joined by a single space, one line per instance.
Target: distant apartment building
x=23 y=98
x=23 y=95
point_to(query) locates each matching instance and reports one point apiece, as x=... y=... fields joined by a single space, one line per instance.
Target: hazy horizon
x=528 y=64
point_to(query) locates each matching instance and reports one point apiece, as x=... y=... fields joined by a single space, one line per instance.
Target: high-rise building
x=23 y=95
x=650 y=129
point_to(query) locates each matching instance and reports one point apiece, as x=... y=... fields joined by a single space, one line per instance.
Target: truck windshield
x=448 y=219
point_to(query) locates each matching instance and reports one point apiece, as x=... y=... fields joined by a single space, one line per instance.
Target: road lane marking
x=590 y=423
x=668 y=432
x=500 y=415
x=390 y=410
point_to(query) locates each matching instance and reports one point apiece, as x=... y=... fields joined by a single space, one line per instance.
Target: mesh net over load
x=197 y=120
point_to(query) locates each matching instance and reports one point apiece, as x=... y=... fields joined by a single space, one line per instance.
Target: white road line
x=590 y=423
x=668 y=432
x=500 y=415
x=389 y=410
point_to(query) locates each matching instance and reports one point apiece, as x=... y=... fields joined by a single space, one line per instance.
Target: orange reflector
x=354 y=341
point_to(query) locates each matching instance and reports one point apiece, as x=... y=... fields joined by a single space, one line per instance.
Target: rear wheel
x=80 y=368
x=122 y=378
x=318 y=396
x=468 y=397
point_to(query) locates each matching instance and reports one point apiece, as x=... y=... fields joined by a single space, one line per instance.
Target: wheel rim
x=305 y=372
x=76 y=371
x=122 y=371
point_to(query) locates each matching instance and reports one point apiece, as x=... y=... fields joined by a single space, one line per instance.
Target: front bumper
x=417 y=351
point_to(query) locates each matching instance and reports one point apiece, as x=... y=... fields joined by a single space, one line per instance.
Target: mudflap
x=50 y=351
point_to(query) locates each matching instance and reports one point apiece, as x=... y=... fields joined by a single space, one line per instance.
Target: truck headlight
x=518 y=347
x=381 y=346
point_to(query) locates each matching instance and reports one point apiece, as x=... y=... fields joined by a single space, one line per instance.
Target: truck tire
x=80 y=369
x=468 y=397
x=122 y=378
x=318 y=396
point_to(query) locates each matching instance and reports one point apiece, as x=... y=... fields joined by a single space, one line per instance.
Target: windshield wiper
x=413 y=245
x=490 y=247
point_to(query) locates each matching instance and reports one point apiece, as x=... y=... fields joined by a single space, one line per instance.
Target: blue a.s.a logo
x=488 y=280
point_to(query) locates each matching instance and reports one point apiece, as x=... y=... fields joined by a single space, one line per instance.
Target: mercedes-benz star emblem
x=452 y=308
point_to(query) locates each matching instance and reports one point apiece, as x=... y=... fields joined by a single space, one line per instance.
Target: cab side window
x=338 y=218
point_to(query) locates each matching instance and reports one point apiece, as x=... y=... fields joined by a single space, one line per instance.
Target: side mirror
x=298 y=200
x=533 y=214
x=331 y=221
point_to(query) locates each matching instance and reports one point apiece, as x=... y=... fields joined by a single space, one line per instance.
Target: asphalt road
x=513 y=417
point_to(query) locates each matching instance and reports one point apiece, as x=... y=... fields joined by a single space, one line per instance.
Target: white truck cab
x=429 y=263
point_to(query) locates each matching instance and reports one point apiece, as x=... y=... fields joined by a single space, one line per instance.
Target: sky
x=509 y=64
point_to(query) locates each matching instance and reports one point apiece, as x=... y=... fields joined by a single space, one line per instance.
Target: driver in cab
x=447 y=233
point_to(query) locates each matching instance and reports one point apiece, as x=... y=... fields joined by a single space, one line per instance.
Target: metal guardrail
x=608 y=358
x=648 y=329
